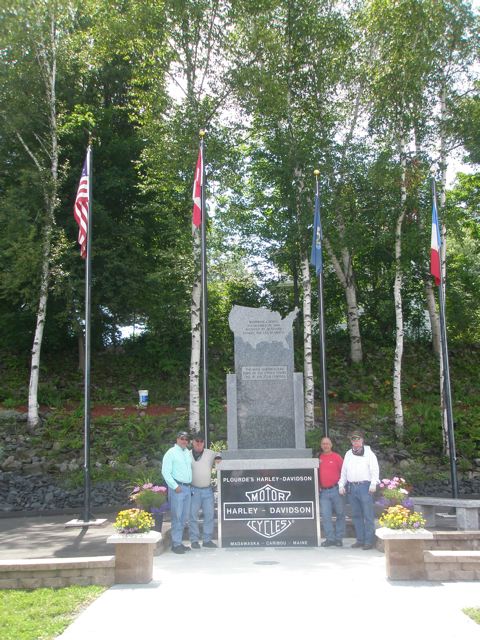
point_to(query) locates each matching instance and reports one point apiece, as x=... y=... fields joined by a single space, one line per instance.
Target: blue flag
x=316 y=257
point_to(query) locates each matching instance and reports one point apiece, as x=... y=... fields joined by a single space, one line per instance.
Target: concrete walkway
x=279 y=594
x=270 y=594
x=46 y=536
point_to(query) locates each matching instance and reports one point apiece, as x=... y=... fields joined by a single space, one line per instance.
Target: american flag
x=80 y=210
x=197 y=191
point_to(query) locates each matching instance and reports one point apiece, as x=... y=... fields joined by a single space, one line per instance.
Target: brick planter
x=404 y=552
x=134 y=556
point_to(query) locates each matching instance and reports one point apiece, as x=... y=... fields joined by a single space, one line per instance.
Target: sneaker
x=178 y=549
x=185 y=548
x=357 y=545
x=195 y=545
x=366 y=547
x=338 y=543
x=209 y=545
x=328 y=543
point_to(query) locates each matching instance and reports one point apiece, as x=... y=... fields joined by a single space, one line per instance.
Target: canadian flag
x=197 y=191
x=435 y=246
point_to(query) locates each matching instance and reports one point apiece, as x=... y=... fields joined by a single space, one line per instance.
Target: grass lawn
x=473 y=613
x=41 y=614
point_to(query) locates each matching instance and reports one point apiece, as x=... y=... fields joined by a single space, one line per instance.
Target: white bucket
x=143 y=397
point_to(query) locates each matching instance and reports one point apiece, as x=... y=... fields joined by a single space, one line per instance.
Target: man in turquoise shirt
x=177 y=473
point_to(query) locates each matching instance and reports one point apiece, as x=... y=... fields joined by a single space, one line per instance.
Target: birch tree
x=35 y=32
x=454 y=52
x=339 y=252
x=399 y=69
x=195 y=66
x=287 y=86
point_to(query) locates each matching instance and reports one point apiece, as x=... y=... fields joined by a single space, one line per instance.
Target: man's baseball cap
x=357 y=434
x=199 y=437
x=183 y=434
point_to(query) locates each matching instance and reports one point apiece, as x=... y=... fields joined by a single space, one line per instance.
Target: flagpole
x=83 y=214
x=204 y=296
x=321 y=319
x=446 y=369
x=88 y=304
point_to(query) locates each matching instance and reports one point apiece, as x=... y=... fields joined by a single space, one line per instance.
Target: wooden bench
x=466 y=510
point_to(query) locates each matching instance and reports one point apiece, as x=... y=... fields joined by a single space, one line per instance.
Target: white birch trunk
x=307 y=344
x=308 y=381
x=33 y=416
x=47 y=62
x=196 y=327
x=433 y=315
x=443 y=253
x=345 y=275
x=427 y=278
x=397 y=294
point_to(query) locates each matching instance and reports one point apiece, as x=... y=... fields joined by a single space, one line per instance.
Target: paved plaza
x=252 y=593
x=279 y=594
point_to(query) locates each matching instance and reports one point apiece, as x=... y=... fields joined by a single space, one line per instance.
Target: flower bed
x=133 y=521
x=397 y=505
x=151 y=497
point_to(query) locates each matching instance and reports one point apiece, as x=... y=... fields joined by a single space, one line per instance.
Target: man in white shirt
x=359 y=478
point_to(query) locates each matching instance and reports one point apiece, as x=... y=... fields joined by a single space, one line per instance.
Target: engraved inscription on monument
x=263 y=406
x=264 y=373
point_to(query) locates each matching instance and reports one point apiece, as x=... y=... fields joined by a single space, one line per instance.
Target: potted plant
x=134 y=546
x=402 y=531
x=400 y=517
x=133 y=521
x=394 y=491
x=152 y=498
x=397 y=513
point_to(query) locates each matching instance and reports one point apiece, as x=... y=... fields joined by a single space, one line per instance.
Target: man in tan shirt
x=203 y=461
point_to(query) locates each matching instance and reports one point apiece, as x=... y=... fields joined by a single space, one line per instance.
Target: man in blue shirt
x=177 y=473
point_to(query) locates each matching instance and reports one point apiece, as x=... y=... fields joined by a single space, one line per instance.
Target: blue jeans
x=202 y=499
x=180 y=510
x=363 y=512
x=332 y=502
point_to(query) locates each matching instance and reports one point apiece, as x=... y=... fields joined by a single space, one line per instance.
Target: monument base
x=268 y=502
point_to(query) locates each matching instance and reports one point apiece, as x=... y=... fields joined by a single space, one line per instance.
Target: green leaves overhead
x=282 y=88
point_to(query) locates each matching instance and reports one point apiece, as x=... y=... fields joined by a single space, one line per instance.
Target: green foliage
x=118 y=444
x=473 y=613
x=279 y=101
x=218 y=445
x=42 y=613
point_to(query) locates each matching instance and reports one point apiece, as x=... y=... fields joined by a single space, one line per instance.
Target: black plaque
x=268 y=508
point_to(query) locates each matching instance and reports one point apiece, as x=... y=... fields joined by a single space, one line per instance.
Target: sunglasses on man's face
x=183 y=438
x=355 y=438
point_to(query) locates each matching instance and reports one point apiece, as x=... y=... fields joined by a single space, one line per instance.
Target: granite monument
x=265 y=416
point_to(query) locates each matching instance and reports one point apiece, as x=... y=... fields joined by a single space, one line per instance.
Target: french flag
x=197 y=191
x=435 y=246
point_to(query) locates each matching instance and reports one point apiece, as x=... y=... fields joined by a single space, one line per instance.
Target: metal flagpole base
x=77 y=522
